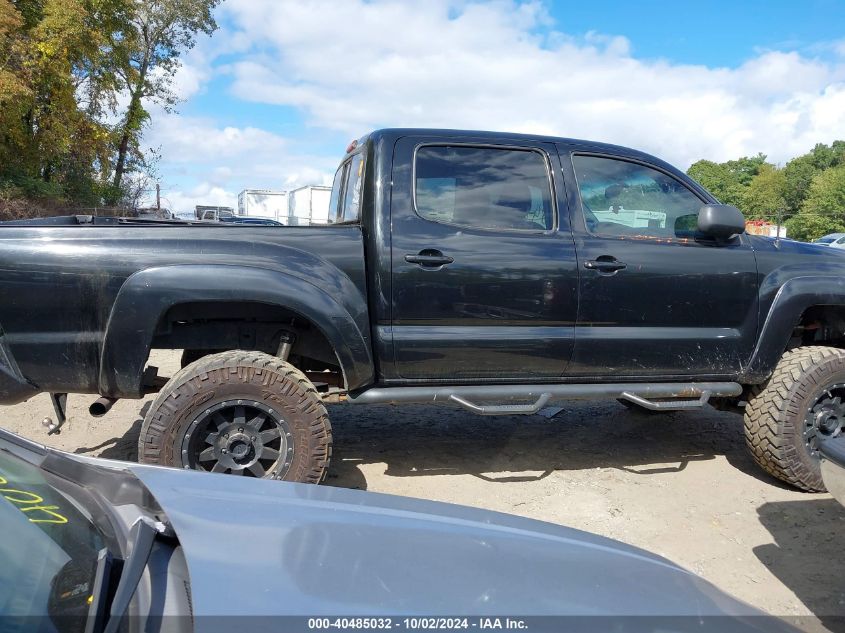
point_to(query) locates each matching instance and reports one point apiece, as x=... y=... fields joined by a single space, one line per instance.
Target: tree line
x=807 y=194
x=76 y=80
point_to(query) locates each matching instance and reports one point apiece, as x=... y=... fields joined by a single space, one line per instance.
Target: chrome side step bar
x=668 y=405
x=674 y=395
x=503 y=409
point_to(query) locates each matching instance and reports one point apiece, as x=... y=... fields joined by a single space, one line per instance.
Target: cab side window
x=350 y=210
x=621 y=198
x=345 y=201
x=483 y=187
x=337 y=188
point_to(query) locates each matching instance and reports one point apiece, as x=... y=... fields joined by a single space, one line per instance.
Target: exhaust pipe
x=101 y=406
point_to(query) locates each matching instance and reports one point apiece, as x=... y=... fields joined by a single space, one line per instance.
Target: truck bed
x=59 y=280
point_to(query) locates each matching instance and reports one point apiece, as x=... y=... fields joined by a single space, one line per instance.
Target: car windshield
x=49 y=551
x=826 y=239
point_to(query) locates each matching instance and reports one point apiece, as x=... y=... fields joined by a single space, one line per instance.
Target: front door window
x=621 y=198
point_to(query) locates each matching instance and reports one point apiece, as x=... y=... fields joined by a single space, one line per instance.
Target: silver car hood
x=269 y=548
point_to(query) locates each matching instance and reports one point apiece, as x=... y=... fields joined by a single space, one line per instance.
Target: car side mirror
x=720 y=221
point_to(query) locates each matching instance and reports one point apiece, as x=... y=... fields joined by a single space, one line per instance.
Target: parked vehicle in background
x=832 y=239
x=109 y=540
x=495 y=272
x=838 y=243
x=204 y=212
x=300 y=207
x=154 y=213
x=239 y=219
x=264 y=203
x=309 y=205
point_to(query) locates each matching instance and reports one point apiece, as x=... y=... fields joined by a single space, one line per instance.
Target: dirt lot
x=680 y=484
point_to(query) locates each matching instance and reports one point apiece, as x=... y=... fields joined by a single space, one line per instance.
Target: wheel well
x=255 y=326
x=820 y=325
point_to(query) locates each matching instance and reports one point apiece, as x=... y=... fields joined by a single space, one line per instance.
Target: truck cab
x=505 y=258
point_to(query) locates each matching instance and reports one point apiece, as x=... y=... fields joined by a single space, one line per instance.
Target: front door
x=657 y=297
x=483 y=266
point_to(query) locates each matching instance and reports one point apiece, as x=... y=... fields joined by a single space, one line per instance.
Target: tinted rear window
x=482 y=187
x=350 y=210
x=337 y=188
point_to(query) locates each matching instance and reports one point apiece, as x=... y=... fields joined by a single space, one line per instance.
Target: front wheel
x=801 y=405
x=240 y=413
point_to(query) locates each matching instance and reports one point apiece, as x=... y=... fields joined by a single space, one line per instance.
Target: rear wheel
x=240 y=413
x=801 y=405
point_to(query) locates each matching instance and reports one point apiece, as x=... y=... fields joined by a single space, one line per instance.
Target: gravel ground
x=680 y=485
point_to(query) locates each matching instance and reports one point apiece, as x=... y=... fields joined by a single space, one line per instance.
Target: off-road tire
x=776 y=410
x=250 y=376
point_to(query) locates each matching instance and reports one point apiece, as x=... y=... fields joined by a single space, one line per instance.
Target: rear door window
x=483 y=187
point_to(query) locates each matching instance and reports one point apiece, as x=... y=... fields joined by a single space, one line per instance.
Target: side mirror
x=721 y=221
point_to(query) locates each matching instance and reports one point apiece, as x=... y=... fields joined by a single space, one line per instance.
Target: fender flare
x=147 y=295
x=790 y=302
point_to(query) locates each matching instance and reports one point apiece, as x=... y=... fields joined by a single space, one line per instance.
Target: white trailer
x=263 y=203
x=309 y=205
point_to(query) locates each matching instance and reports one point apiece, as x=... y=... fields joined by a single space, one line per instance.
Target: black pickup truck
x=496 y=272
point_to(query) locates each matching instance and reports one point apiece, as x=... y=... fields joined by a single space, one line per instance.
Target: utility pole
x=158 y=197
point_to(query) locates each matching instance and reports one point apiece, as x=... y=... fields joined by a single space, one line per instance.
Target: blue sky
x=272 y=99
x=717 y=33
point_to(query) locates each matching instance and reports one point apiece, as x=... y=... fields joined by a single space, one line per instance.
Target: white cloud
x=191 y=139
x=203 y=193
x=351 y=66
x=220 y=161
x=196 y=66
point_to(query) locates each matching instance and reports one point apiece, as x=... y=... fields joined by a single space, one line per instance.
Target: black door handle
x=605 y=264
x=429 y=258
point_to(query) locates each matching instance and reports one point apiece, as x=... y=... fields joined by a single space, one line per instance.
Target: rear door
x=483 y=264
x=657 y=298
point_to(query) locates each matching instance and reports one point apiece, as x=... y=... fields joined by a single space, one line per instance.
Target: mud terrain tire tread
x=263 y=377
x=774 y=415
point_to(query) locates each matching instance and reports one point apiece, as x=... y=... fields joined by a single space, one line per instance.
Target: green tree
x=745 y=168
x=65 y=65
x=825 y=157
x=763 y=198
x=823 y=210
x=798 y=175
x=50 y=145
x=806 y=228
x=827 y=194
x=146 y=57
x=718 y=179
x=728 y=181
x=12 y=80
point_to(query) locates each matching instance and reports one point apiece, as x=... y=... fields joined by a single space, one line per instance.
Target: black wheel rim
x=825 y=419
x=239 y=437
